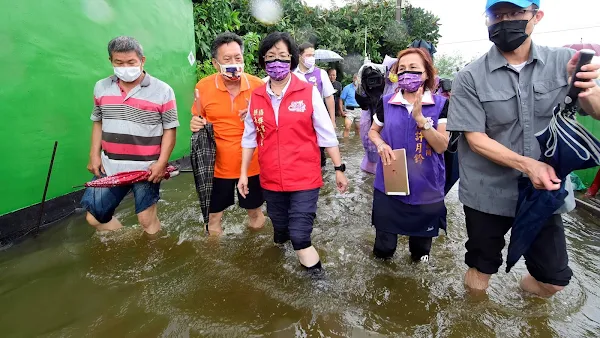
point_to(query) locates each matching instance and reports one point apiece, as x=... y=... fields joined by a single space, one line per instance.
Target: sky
x=464 y=32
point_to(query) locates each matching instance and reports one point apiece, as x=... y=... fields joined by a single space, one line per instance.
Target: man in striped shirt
x=134 y=128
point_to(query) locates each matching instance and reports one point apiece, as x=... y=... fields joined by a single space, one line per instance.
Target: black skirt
x=393 y=216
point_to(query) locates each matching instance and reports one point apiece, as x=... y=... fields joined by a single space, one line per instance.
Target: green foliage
x=448 y=64
x=339 y=29
x=204 y=69
x=212 y=17
x=251 y=44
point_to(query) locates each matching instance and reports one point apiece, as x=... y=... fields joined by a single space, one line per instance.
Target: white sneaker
x=425 y=259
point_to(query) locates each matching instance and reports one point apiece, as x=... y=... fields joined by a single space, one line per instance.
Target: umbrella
x=325 y=55
x=566 y=146
x=203 y=151
x=128 y=177
x=591 y=46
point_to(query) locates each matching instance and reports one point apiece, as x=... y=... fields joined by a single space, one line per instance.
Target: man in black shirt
x=332 y=72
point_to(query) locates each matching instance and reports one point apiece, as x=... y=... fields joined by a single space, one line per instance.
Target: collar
x=496 y=60
x=220 y=82
x=273 y=95
x=312 y=69
x=145 y=81
x=398 y=99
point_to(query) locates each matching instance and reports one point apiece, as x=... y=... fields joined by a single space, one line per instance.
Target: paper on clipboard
x=395 y=175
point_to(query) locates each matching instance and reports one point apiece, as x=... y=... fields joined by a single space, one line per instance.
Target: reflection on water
x=71 y=282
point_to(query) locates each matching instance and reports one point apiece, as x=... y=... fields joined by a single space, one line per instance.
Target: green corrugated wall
x=52 y=52
x=587 y=176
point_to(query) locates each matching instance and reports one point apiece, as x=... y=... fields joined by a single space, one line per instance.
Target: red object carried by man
x=128 y=177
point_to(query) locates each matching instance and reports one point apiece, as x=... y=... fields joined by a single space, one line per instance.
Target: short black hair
x=304 y=47
x=330 y=69
x=271 y=40
x=223 y=39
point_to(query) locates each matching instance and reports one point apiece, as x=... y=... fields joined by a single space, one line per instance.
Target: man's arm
x=589 y=99
x=167 y=145
x=466 y=114
x=170 y=122
x=341 y=105
x=590 y=103
x=95 y=161
x=247 y=154
x=328 y=92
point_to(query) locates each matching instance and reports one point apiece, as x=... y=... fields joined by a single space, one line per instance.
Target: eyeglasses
x=513 y=15
x=271 y=57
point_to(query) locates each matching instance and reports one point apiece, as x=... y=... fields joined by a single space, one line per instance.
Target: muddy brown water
x=72 y=282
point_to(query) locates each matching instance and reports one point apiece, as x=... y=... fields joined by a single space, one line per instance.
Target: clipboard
x=395 y=175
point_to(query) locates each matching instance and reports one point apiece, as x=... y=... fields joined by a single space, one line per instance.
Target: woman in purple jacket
x=413 y=119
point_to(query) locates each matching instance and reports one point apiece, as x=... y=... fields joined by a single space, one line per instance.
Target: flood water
x=72 y=282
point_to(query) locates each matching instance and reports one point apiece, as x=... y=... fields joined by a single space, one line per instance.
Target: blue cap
x=520 y=3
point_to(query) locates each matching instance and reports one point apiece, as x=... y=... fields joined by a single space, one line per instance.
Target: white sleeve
x=376 y=120
x=249 y=137
x=328 y=89
x=326 y=136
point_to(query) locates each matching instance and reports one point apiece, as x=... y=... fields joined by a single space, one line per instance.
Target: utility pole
x=399 y=11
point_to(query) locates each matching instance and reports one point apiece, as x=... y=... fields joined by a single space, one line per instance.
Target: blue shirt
x=348 y=96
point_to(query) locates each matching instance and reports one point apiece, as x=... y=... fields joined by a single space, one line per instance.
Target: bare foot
x=257 y=222
x=531 y=285
x=215 y=232
x=476 y=281
x=215 y=229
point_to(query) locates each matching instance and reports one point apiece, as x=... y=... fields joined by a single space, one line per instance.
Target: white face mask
x=128 y=74
x=232 y=71
x=309 y=62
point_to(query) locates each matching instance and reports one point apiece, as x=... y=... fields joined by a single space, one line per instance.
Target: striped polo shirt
x=133 y=123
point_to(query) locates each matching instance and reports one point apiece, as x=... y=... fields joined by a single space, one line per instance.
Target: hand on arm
x=385 y=151
x=437 y=138
x=159 y=168
x=242 y=186
x=589 y=98
x=541 y=175
x=340 y=178
x=198 y=121
x=249 y=143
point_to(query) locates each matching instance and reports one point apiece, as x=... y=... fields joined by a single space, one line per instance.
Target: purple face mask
x=278 y=69
x=410 y=81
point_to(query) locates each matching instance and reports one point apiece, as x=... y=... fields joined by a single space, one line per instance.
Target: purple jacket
x=426 y=172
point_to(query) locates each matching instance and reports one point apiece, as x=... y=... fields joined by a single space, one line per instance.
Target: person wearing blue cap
x=500 y=102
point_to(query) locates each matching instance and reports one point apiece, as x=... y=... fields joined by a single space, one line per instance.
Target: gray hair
x=123 y=44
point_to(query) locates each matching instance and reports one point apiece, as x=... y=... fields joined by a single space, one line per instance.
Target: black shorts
x=223 y=194
x=546 y=260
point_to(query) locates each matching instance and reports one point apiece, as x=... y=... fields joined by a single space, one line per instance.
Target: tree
x=447 y=65
x=339 y=29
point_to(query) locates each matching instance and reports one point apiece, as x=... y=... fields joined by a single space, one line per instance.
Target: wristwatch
x=341 y=168
x=428 y=123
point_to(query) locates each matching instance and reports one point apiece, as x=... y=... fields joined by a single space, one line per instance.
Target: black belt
x=347 y=107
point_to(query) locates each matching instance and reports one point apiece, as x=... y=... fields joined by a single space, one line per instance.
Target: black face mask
x=508 y=35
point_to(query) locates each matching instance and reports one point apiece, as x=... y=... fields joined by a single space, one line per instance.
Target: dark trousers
x=546 y=259
x=293 y=215
x=386 y=243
